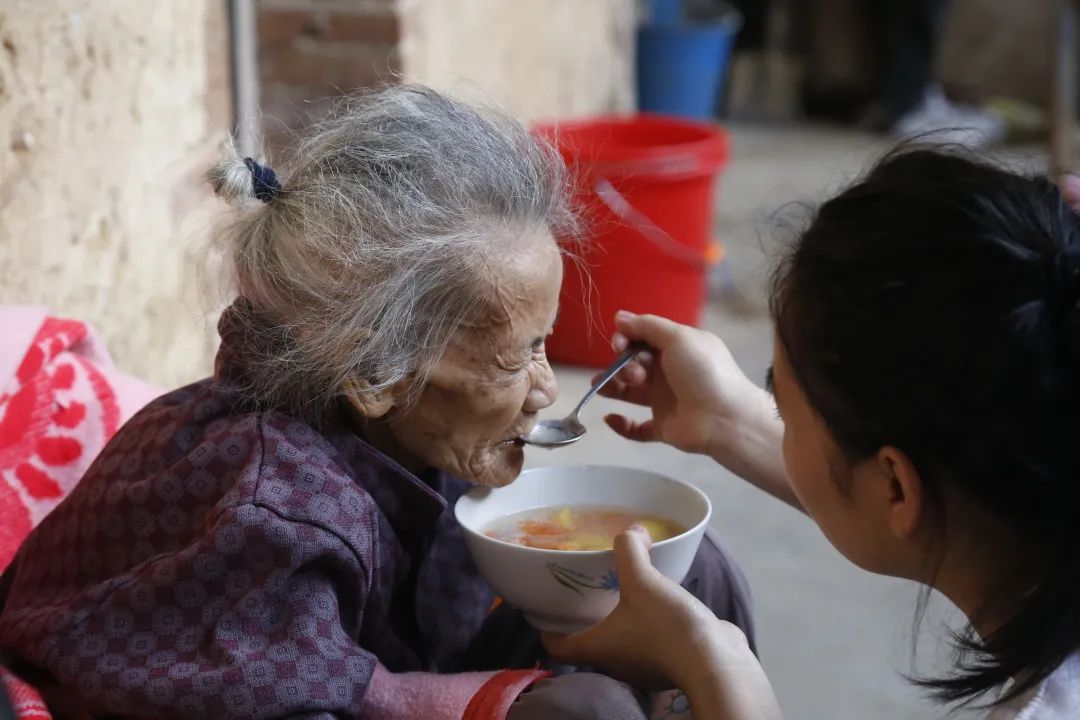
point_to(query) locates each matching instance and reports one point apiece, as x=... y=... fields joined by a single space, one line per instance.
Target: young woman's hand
x=701 y=401
x=660 y=636
x=693 y=386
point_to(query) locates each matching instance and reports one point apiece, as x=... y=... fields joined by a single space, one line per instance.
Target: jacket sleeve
x=258 y=618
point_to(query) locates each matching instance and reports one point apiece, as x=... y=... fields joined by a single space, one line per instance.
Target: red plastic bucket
x=645 y=186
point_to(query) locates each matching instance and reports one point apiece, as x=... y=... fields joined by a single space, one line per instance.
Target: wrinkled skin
x=494 y=379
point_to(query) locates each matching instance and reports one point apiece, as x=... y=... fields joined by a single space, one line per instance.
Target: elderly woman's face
x=494 y=379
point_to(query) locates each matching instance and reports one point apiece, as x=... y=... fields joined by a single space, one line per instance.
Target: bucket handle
x=621 y=207
x=680 y=164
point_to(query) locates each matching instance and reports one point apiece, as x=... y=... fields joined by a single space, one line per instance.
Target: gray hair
x=372 y=254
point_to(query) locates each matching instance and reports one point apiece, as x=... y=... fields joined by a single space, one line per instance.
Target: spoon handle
x=620 y=362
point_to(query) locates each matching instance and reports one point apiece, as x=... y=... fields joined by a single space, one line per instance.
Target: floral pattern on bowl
x=577 y=581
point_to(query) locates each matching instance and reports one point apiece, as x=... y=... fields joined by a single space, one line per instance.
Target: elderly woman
x=276 y=541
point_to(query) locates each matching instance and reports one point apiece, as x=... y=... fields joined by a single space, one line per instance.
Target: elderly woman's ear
x=373 y=403
x=367 y=400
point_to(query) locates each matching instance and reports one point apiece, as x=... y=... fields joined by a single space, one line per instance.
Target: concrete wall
x=108 y=113
x=541 y=59
x=311 y=51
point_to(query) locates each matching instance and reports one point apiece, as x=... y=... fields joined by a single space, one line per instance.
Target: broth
x=577 y=528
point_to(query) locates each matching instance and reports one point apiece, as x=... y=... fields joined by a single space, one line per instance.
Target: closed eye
x=538 y=343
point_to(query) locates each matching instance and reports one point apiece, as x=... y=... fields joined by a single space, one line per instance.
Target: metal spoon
x=557 y=433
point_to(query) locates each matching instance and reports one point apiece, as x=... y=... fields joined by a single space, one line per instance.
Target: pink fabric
x=25 y=700
x=61 y=399
x=421 y=696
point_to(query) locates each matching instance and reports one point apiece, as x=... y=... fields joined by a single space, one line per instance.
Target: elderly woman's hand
x=660 y=636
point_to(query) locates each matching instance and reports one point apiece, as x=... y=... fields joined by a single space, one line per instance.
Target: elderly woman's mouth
x=516 y=436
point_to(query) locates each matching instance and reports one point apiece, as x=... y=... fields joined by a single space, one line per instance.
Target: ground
x=836 y=641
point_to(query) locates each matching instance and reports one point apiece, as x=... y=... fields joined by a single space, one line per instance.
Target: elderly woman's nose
x=543 y=392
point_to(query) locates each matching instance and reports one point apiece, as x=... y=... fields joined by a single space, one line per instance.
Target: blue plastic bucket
x=681 y=66
x=666 y=12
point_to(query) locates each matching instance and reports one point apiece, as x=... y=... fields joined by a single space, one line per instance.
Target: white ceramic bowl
x=566 y=591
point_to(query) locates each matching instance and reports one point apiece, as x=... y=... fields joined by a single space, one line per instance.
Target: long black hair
x=932 y=306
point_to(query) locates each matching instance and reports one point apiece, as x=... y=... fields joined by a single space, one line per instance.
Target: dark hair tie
x=263 y=180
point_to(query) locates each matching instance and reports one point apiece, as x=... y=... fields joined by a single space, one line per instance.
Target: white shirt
x=1056 y=698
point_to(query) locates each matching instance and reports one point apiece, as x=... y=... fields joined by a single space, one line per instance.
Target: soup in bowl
x=543 y=542
x=577 y=528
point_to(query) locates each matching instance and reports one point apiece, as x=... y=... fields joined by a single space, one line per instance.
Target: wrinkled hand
x=691 y=383
x=659 y=635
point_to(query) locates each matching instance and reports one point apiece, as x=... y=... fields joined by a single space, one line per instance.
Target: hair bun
x=238 y=180
x=264 y=181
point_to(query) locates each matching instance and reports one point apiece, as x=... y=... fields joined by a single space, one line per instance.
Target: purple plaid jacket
x=220 y=562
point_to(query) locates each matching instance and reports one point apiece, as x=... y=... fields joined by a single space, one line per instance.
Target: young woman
x=926 y=371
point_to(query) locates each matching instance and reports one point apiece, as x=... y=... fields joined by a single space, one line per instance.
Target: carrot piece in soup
x=539 y=527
